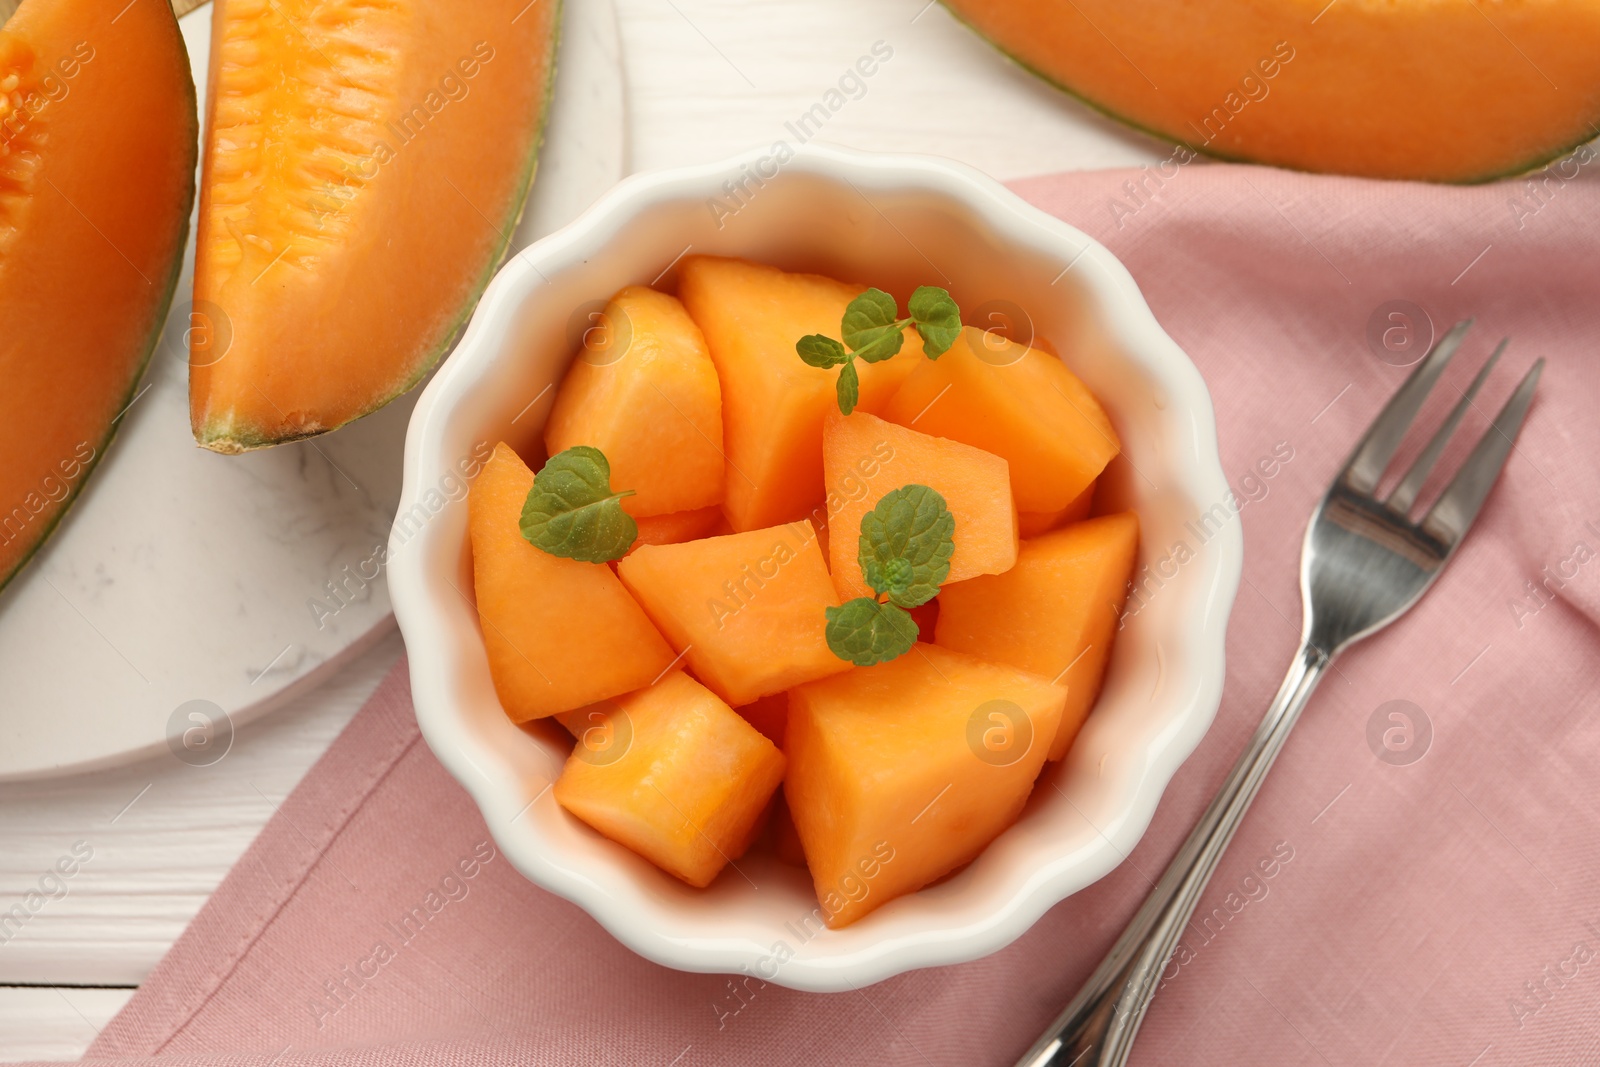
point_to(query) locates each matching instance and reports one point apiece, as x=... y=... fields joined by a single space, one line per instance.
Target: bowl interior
x=895 y=223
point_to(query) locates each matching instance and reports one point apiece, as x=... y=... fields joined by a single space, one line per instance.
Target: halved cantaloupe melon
x=366 y=162
x=677 y=527
x=1055 y=613
x=1034 y=523
x=560 y=633
x=772 y=403
x=1024 y=406
x=684 y=782
x=746 y=611
x=97 y=153
x=975 y=485
x=643 y=390
x=1459 y=91
x=901 y=772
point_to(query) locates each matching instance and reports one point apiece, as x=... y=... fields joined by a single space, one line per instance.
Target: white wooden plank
x=54 y=1024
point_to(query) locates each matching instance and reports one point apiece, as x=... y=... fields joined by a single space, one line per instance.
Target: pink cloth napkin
x=1397 y=910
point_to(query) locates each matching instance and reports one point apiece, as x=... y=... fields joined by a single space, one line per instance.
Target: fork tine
x=1378 y=445
x=1458 y=505
x=1405 y=494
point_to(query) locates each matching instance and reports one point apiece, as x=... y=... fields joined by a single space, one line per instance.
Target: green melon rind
x=244 y=440
x=154 y=334
x=1515 y=170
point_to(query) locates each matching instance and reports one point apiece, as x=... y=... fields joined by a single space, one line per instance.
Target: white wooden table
x=706 y=78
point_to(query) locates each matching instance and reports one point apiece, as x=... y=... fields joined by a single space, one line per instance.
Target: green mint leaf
x=849 y=388
x=906 y=544
x=572 y=512
x=937 y=317
x=865 y=632
x=818 y=350
x=871 y=327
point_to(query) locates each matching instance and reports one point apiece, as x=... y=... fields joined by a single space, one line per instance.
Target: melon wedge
x=365 y=165
x=674 y=775
x=747 y=611
x=559 y=633
x=1055 y=613
x=1441 y=91
x=1034 y=523
x=97 y=154
x=772 y=403
x=1023 y=405
x=975 y=485
x=901 y=772
x=643 y=391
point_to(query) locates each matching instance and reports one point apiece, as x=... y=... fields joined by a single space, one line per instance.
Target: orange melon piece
x=780 y=836
x=676 y=776
x=643 y=391
x=559 y=633
x=1055 y=613
x=772 y=403
x=1034 y=523
x=975 y=485
x=676 y=527
x=770 y=715
x=901 y=772
x=1485 y=89
x=1024 y=406
x=746 y=611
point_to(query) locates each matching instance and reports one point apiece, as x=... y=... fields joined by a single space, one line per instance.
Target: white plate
x=181 y=575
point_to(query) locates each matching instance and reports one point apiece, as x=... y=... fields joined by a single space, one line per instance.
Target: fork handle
x=1098 y=1027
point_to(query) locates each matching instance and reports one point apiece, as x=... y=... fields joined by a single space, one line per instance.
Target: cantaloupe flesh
x=684 y=782
x=365 y=164
x=643 y=390
x=770 y=715
x=1026 y=407
x=747 y=611
x=975 y=486
x=886 y=783
x=1034 y=523
x=559 y=633
x=97 y=153
x=1442 y=91
x=1055 y=613
x=677 y=527
x=772 y=403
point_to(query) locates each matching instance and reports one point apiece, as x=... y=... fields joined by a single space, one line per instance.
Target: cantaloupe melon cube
x=559 y=633
x=677 y=527
x=674 y=774
x=1055 y=613
x=1034 y=523
x=770 y=715
x=747 y=611
x=901 y=772
x=643 y=390
x=1023 y=405
x=974 y=483
x=772 y=403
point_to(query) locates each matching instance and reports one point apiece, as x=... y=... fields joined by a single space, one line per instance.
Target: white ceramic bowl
x=892 y=221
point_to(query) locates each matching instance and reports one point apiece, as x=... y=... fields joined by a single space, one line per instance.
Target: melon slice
x=560 y=633
x=1034 y=523
x=975 y=485
x=1023 y=405
x=1441 y=91
x=901 y=772
x=97 y=154
x=772 y=403
x=674 y=775
x=1055 y=613
x=677 y=527
x=643 y=391
x=365 y=165
x=746 y=611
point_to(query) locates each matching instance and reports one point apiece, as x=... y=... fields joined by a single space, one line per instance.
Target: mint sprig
x=904 y=552
x=572 y=512
x=873 y=331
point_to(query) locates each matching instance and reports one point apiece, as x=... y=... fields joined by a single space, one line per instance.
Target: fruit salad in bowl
x=799 y=619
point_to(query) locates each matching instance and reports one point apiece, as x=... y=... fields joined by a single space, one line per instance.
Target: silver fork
x=1363 y=564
